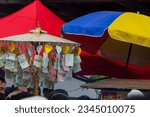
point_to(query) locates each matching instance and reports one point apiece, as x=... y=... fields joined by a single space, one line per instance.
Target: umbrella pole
x=127 y=62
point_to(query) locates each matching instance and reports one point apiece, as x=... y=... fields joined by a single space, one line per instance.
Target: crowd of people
x=22 y=92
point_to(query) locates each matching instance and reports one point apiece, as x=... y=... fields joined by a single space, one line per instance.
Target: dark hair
x=83 y=97
x=39 y=91
x=2 y=79
x=2 y=73
x=58 y=94
x=46 y=92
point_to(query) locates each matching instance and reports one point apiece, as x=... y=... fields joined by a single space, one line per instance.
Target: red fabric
x=97 y=65
x=27 y=18
x=89 y=44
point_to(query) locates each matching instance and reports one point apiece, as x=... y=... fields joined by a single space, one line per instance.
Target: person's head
x=47 y=91
x=30 y=90
x=22 y=88
x=83 y=97
x=2 y=84
x=58 y=94
x=136 y=95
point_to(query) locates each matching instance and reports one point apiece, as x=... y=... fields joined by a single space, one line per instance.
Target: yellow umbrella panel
x=132 y=28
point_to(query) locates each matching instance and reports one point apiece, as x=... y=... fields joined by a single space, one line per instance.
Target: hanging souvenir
x=2 y=64
x=45 y=60
x=26 y=75
x=76 y=68
x=77 y=60
x=20 y=81
x=30 y=51
x=7 y=74
x=57 y=62
x=47 y=48
x=69 y=60
x=65 y=50
x=45 y=70
x=15 y=69
x=52 y=73
x=23 y=61
x=4 y=56
x=13 y=77
x=37 y=61
x=10 y=61
x=11 y=47
x=59 y=77
x=29 y=83
x=39 y=48
x=43 y=77
x=69 y=74
x=16 y=52
x=46 y=84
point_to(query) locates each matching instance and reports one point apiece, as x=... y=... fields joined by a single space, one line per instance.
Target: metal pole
x=127 y=62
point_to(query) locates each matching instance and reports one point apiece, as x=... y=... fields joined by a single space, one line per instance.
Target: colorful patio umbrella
x=132 y=26
x=91 y=59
